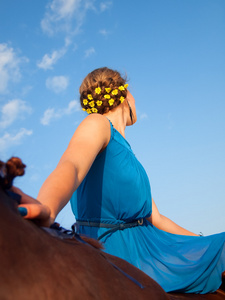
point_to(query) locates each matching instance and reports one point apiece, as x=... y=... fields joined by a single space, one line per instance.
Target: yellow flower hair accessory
x=111 y=101
x=92 y=104
x=83 y=109
x=99 y=103
x=107 y=96
x=90 y=96
x=122 y=99
x=94 y=110
x=108 y=90
x=98 y=90
x=85 y=102
x=89 y=111
x=126 y=85
x=115 y=92
x=121 y=88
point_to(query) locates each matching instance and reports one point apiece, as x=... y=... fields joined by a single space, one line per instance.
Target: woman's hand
x=32 y=209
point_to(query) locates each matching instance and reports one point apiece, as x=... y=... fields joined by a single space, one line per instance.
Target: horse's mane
x=9 y=170
x=15 y=167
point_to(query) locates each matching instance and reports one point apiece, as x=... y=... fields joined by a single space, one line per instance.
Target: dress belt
x=113 y=227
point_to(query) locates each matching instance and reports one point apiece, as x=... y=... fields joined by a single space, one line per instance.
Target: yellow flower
x=92 y=104
x=108 y=90
x=83 y=109
x=121 y=99
x=107 y=96
x=126 y=85
x=85 y=102
x=94 y=110
x=121 y=88
x=89 y=111
x=90 y=96
x=98 y=90
x=115 y=92
x=99 y=103
x=111 y=101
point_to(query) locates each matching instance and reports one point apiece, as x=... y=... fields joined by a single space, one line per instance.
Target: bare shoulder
x=96 y=120
x=94 y=127
x=94 y=123
x=90 y=138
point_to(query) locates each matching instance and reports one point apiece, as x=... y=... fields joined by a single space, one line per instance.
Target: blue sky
x=173 y=52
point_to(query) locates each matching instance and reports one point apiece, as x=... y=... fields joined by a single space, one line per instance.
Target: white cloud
x=9 y=66
x=143 y=116
x=72 y=107
x=49 y=60
x=64 y=8
x=68 y=15
x=52 y=113
x=26 y=89
x=104 y=32
x=89 y=52
x=13 y=110
x=57 y=83
x=49 y=114
x=105 y=5
x=9 y=140
x=67 y=41
x=59 y=14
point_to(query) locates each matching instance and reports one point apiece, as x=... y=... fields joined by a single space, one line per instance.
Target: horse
x=37 y=265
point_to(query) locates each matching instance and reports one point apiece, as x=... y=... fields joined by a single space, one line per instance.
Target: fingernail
x=22 y=211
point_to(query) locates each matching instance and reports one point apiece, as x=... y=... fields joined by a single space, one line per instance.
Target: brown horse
x=36 y=265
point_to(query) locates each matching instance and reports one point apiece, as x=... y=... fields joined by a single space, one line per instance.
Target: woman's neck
x=118 y=119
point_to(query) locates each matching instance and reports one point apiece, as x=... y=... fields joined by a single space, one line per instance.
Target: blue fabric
x=117 y=190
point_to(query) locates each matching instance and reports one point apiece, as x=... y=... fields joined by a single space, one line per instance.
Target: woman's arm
x=165 y=223
x=90 y=138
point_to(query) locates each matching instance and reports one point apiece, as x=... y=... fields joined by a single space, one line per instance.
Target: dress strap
x=112 y=129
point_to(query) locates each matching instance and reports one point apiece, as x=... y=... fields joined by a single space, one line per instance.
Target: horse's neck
x=8 y=206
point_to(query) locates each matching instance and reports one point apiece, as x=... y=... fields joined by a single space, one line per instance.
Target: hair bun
x=102 y=90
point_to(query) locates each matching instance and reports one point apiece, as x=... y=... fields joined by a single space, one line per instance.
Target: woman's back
x=116 y=188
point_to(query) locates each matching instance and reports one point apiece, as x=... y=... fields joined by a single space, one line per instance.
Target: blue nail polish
x=22 y=211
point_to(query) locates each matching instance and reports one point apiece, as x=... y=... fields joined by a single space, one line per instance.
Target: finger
x=34 y=211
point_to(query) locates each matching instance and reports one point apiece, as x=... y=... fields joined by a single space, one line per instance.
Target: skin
x=91 y=137
x=35 y=209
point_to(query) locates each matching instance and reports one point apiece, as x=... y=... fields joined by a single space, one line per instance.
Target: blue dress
x=117 y=190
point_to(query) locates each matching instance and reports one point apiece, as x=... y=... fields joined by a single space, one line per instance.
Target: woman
x=111 y=197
